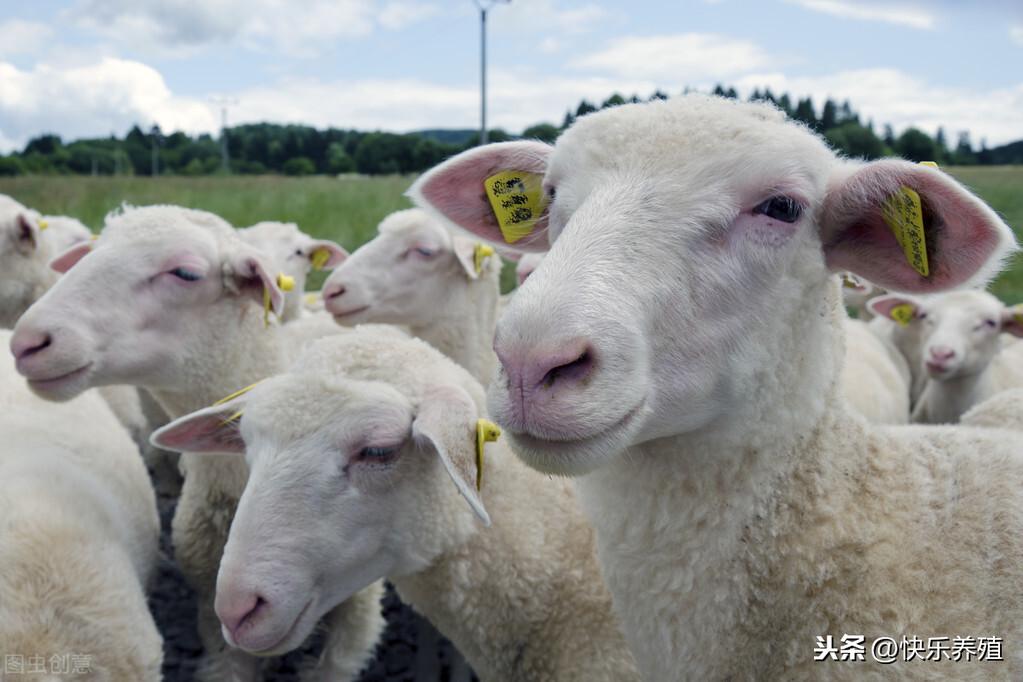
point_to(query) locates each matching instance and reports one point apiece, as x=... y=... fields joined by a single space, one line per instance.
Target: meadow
x=348 y=208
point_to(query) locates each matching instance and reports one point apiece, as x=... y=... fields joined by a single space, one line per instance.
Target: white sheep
x=78 y=537
x=1001 y=411
x=295 y=254
x=364 y=466
x=63 y=231
x=24 y=253
x=875 y=378
x=172 y=300
x=416 y=273
x=743 y=516
x=526 y=265
x=961 y=352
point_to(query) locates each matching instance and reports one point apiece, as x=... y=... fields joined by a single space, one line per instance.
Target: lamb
x=875 y=378
x=183 y=316
x=63 y=231
x=78 y=537
x=294 y=253
x=856 y=294
x=443 y=287
x=962 y=355
x=526 y=265
x=23 y=256
x=523 y=599
x=742 y=514
x=1002 y=411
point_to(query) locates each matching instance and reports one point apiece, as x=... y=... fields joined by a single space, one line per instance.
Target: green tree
x=829 y=115
x=338 y=160
x=584 y=108
x=11 y=165
x=545 y=132
x=804 y=112
x=916 y=145
x=856 y=141
x=613 y=101
x=299 y=165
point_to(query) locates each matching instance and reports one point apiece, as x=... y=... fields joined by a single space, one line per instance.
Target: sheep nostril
x=575 y=370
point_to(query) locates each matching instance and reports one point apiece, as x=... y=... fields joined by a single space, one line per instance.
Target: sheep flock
x=669 y=454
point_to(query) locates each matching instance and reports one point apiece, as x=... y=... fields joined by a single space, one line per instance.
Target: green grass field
x=348 y=209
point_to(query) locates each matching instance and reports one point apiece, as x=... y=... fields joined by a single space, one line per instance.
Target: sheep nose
x=28 y=342
x=571 y=361
x=237 y=608
x=942 y=353
x=333 y=291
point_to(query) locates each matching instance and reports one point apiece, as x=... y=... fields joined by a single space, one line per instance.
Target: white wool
x=875 y=377
x=78 y=534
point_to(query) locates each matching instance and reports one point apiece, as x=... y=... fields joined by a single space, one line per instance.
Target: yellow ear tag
x=94 y=237
x=480 y=254
x=518 y=201
x=43 y=225
x=903 y=214
x=849 y=283
x=311 y=299
x=486 y=432
x=319 y=258
x=903 y=313
x=285 y=282
x=929 y=164
x=234 y=395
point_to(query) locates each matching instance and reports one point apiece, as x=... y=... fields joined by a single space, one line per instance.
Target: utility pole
x=485 y=6
x=224 y=103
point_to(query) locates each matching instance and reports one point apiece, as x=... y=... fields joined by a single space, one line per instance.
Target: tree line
x=303 y=150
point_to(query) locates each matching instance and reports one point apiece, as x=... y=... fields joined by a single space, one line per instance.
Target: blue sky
x=93 y=67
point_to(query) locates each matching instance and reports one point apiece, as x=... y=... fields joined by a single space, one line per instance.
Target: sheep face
x=350 y=481
x=293 y=252
x=959 y=331
x=399 y=276
x=24 y=253
x=688 y=239
x=138 y=305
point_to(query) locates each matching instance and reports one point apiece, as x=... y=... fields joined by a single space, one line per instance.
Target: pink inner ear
x=455 y=189
x=337 y=254
x=882 y=305
x=1012 y=321
x=201 y=433
x=70 y=257
x=963 y=234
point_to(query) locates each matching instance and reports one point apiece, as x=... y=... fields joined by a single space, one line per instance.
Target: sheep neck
x=716 y=484
x=463 y=325
x=483 y=592
x=237 y=352
x=944 y=402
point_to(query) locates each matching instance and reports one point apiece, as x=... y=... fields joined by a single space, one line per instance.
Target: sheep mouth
x=349 y=313
x=55 y=382
x=284 y=643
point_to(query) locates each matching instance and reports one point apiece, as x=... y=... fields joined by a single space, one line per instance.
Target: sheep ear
x=447 y=422
x=67 y=260
x=465 y=252
x=493 y=192
x=212 y=430
x=1012 y=320
x=952 y=238
x=900 y=309
x=325 y=254
x=247 y=272
x=26 y=233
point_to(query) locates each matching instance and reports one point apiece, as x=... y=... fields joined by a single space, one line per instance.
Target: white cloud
x=680 y=58
x=183 y=27
x=532 y=17
x=902 y=15
x=892 y=96
x=1016 y=33
x=93 y=100
x=23 y=37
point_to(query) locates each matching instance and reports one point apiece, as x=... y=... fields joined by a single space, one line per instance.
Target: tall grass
x=347 y=209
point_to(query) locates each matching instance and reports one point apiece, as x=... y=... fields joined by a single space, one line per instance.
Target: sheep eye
x=551 y=193
x=298 y=252
x=991 y=323
x=186 y=275
x=377 y=454
x=780 y=208
x=424 y=252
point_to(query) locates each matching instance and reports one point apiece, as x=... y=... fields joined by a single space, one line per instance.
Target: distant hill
x=1006 y=154
x=448 y=136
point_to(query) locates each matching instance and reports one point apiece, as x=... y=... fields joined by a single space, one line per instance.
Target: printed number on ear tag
x=903 y=313
x=518 y=201
x=904 y=215
x=486 y=432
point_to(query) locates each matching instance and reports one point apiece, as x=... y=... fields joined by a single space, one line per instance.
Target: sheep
x=23 y=256
x=185 y=313
x=294 y=253
x=741 y=512
x=962 y=358
x=63 y=231
x=523 y=599
x=443 y=287
x=1003 y=410
x=78 y=538
x=856 y=293
x=526 y=265
x=875 y=378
